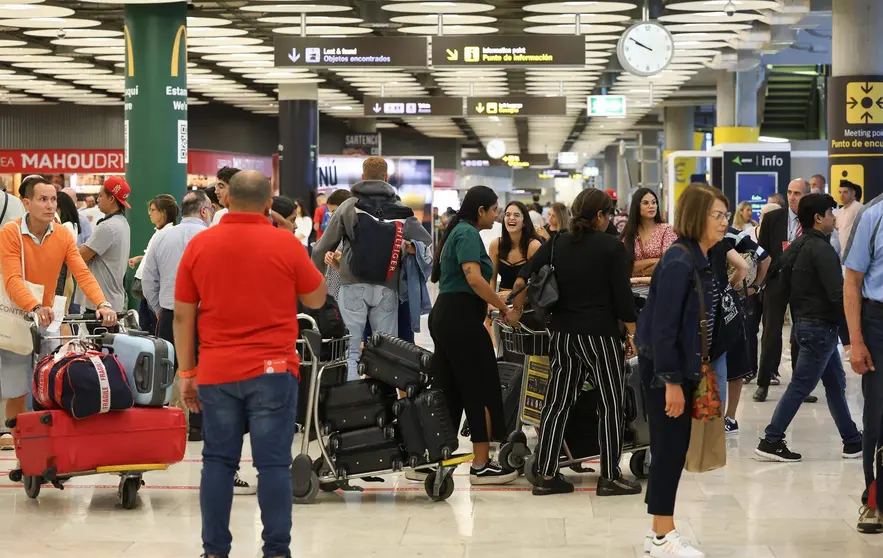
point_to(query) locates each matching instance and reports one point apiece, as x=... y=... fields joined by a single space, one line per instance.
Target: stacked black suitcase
x=423 y=421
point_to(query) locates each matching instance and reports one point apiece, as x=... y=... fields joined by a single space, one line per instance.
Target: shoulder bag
x=708 y=444
x=15 y=330
x=542 y=289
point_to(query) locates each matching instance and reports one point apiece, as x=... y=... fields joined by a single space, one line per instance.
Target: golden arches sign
x=176 y=50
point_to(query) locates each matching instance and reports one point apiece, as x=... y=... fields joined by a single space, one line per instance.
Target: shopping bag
x=707 y=404
x=15 y=330
x=708 y=446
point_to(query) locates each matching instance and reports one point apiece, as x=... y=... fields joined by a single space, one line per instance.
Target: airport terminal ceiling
x=67 y=51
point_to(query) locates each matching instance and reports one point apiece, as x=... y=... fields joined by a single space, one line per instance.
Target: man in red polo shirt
x=246 y=278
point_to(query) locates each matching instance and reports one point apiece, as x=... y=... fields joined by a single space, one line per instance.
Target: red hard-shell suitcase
x=47 y=440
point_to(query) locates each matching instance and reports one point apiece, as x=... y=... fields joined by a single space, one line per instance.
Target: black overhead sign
x=349 y=52
x=516 y=105
x=413 y=106
x=509 y=50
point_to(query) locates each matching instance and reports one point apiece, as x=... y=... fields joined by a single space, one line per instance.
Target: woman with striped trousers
x=592 y=270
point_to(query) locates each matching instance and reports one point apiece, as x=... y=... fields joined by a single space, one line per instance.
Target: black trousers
x=771 y=342
x=572 y=359
x=165 y=330
x=464 y=366
x=669 y=441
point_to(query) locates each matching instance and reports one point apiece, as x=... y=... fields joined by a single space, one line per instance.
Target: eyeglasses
x=720 y=216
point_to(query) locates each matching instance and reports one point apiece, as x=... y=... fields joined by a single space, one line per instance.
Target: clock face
x=645 y=49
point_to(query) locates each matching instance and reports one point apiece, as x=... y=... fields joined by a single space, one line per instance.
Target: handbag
x=542 y=288
x=708 y=439
x=15 y=330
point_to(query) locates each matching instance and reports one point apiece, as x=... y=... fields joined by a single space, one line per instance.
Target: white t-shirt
x=217 y=218
x=304 y=229
x=14 y=210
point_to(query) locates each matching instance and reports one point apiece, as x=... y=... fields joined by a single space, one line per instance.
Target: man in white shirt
x=224 y=176
x=92 y=212
x=850 y=193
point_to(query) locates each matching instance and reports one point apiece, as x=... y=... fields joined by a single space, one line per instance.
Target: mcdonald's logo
x=130 y=53
x=176 y=50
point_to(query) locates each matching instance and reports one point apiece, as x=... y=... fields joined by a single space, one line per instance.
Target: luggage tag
x=277 y=366
x=785 y=244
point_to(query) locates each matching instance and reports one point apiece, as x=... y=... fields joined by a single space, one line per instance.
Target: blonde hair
x=694 y=205
x=739 y=222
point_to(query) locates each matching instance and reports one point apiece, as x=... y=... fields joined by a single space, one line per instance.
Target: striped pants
x=574 y=358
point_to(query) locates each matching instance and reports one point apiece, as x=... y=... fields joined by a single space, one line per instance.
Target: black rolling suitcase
x=368 y=450
x=637 y=428
x=426 y=427
x=511 y=376
x=331 y=377
x=396 y=362
x=356 y=405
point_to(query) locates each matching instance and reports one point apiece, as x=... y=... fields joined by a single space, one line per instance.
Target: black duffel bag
x=81 y=382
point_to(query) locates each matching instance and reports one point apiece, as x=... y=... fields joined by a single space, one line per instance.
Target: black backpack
x=328 y=319
x=778 y=281
x=379 y=235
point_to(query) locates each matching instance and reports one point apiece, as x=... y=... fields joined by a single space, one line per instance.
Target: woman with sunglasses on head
x=594 y=296
x=646 y=236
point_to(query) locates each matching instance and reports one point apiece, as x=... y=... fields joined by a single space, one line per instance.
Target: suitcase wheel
x=381 y=420
x=11 y=423
x=412 y=390
x=362 y=369
x=530 y=469
x=397 y=408
x=32 y=485
x=512 y=456
x=426 y=360
x=445 y=491
x=637 y=464
x=376 y=339
x=15 y=475
x=128 y=491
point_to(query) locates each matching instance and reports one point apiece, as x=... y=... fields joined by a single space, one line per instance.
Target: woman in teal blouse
x=464 y=365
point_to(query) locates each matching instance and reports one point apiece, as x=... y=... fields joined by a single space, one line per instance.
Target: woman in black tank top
x=514 y=248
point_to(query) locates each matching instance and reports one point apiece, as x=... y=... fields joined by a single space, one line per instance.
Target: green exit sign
x=606 y=105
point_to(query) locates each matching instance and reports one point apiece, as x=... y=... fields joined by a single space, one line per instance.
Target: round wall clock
x=645 y=48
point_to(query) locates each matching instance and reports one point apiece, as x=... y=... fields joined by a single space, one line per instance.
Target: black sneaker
x=491 y=473
x=776 y=451
x=852 y=450
x=194 y=435
x=761 y=394
x=620 y=486
x=214 y=556
x=242 y=488
x=731 y=426
x=556 y=485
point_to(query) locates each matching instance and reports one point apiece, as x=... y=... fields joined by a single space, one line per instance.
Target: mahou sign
x=63 y=161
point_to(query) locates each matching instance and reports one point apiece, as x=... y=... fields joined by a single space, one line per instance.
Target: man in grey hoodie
x=360 y=299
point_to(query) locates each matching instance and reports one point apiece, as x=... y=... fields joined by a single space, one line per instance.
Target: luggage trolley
x=310 y=476
x=534 y=346
x=130 y=475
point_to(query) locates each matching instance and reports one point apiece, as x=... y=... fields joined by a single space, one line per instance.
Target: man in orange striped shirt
x=46 y=247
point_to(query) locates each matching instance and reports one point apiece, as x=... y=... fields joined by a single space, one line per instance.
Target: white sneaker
x=673 y=546
x=242 y=488
x=648 y=541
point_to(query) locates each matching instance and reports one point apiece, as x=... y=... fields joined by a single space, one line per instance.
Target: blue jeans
x=360 y=304
x=720 y=369
x=872 y=389
x=268 y=405
x=818 y=359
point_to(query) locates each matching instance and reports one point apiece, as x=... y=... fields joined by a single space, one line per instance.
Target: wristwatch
x=36 y=308
x=105 y=304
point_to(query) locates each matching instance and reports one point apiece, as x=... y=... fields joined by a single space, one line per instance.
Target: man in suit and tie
x=779 y=228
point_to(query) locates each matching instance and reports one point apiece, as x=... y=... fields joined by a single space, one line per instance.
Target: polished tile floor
x=747 y=510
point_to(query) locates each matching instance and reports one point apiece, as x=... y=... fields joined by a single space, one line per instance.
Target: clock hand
x=640 y=44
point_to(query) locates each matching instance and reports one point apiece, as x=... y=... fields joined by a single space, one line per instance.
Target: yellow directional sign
x=852 y=173
x=492 y=108
x=471 y=54
x=453 y=54
x=864 y=102
x=479 y=108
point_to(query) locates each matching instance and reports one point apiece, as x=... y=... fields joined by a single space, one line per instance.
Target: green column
x=156 y=109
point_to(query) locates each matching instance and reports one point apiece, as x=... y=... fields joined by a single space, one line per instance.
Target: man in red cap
x=107 y=250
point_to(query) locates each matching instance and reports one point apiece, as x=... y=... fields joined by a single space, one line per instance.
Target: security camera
x=730 y=9
x=62 y=33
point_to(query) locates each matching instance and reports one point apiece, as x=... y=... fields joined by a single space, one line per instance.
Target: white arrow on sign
x=377 y=107
x=294 y=56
